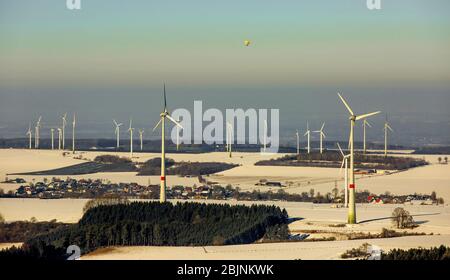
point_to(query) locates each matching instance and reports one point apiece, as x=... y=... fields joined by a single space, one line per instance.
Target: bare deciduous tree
x=402 y=219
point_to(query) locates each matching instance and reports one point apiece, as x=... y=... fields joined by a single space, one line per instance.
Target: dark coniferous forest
x=153 y=223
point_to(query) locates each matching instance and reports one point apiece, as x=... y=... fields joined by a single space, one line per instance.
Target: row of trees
x=418 y=254
x=153 y=167
x=333 y=159
x=22 y=230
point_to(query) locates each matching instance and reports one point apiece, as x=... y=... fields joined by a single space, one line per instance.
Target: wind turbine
x=59 y=138
x=29 y=133
x=308 y=133
x=265 y=135
x=141 y=137
x=73 y=133
x=63 y=136
x=117 y=131
x=130 y=130
x=52 y=130
x=344 y=163
x=162 y=121
x=178 y=134
x=36 y=133
x=365 y=123
x=322 y=135
x=229 y=137
x=386 y=128
x=353 y=118
x=298 y=142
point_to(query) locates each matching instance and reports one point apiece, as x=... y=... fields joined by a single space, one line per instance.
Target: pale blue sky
x=109 y=59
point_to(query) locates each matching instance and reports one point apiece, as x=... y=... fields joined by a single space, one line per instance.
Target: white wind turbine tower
x=365 y=123
x=229 y=138
x=353 y=118
x=308 y=133
x=178 y=134
x=162 y=121
x=386 y=128
x=130 y=130
x=298 y=141
x=265 y=135
x=345 y=165
x=52 y=131
x=74 y=122
x=141 y=137
x=322 y=135
x=30 y=135
x=117 y=132
x=36 y=133
x=63 y=136
x=59 y=138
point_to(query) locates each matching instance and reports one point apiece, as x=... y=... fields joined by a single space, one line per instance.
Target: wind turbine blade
x=115 y=123
x=368 y=123
x=174 y=121
x=360 y=117
x=156 y=126
x=165 y=101
x=349 y=134
x=323 y=134
x=342 y=165
x=390 y=128
x=346 y=104
x=323 y=125
x=120 y=124
x=340 y=150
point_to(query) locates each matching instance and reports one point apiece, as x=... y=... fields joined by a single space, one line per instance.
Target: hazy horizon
x=109 y=60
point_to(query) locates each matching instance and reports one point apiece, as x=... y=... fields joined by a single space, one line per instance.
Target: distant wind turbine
x=178 y=134
x=365 y=123
x=265 y=135
x=30 y=135
x=117 y=132
x=130 y=130
x=322 y=135
x=298 y=141
x=386 y=128
x=73 y=133
x=229 y=138
x=344 y=163
x=59 y=138
x=163 y=116
x=308 y=133
x=141 y=137
x=353 y=118
x=37 y=133
x=63 y=136
x=52 y=131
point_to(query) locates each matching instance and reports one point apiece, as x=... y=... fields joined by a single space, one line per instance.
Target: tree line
x=154 y=223
x=333 y=159
x=153 y=167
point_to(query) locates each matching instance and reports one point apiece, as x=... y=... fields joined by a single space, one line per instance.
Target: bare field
x=321 y=218
x=324 y=219
x=435 y=177
x=267 y=251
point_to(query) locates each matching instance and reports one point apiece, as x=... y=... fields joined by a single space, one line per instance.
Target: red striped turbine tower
x=162 y=121
x=351 y=186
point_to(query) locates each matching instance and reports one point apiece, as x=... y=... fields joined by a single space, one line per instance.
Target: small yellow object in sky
x=247 y=43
